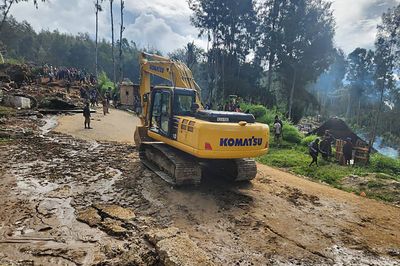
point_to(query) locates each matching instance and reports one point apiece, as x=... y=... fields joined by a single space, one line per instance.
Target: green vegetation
x=6 y=111
x=105 y=83
x=296 y=160
x=307 y=140
x=291 y=133
x=292 y=155
x=385 y=165
x=4 y=140
x=267 y=116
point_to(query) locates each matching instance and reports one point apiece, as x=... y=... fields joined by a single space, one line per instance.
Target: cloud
x=160 y=24
x=149 y=31
x=165 y=24
x=357 y=20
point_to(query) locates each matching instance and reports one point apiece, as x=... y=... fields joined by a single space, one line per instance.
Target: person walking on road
x=86 y=114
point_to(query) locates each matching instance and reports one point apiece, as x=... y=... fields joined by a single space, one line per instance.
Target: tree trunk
x=97 y=32
x=375 y=127
x=271 y=58
x=6 y=13
x=359 y=111
x=292 y=94
x=121 y=73
x=112 y=40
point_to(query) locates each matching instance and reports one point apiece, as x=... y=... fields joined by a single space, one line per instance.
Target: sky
x=165 y=24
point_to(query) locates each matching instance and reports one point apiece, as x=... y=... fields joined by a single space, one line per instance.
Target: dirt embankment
x=84 y=202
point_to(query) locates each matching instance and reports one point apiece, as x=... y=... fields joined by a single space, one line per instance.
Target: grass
x=294 y=157
x=4 y=140
x=296 y=160
x=6 y=111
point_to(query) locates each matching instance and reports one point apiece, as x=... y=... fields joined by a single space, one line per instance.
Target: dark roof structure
x=338 y=129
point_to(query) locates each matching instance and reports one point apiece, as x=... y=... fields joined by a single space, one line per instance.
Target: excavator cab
x=167 y=103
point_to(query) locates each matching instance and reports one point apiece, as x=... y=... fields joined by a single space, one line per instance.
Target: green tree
x=360 y=77
x=230 y=27
x=6 y=5
x=306 y=49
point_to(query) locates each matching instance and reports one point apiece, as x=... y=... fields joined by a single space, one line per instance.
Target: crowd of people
x=69 y=74
x=324 y=147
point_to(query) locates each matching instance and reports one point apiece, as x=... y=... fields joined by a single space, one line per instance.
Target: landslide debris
x=175 y=248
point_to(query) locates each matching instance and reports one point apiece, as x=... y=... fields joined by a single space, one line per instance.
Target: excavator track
x=235 y=169
x=172 y=165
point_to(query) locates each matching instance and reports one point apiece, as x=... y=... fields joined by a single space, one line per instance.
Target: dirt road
x=116 y=126
x=77 y=202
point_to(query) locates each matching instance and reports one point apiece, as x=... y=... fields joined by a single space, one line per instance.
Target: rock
x=61 y=192
x=5 y=78
x=176 y=248
x=155 y=236
x=362 y=194
x=17 y=102
x=115 y=211
x=180 y=250
x=17 y=73
x=113 y=227
x=89 y=216
x=56 y=103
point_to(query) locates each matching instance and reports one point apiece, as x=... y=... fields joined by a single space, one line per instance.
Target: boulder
x=15 y=101
x=176 y=248
x=56 y=103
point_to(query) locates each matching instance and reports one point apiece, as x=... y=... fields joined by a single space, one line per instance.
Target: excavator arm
x=174 y=71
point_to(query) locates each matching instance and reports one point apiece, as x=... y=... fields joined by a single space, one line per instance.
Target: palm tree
x=98 y=8
x=120 y=41
x=112 y=39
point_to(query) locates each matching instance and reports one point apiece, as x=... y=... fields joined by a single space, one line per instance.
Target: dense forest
x=278 y=53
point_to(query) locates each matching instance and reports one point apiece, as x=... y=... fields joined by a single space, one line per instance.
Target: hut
x=128 y=93
x=342 y=132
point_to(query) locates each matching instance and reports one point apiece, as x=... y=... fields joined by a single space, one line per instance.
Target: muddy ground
x=67 y=201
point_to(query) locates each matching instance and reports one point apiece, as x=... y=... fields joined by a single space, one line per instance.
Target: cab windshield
x=183 y=103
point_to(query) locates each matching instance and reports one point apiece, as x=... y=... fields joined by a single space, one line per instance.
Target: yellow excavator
x=177 y=138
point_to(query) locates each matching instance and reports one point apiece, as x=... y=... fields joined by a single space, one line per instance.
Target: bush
x=257 y=110
x=307 y=140
x=291 y=133
x=381 y=163
x=105 y=83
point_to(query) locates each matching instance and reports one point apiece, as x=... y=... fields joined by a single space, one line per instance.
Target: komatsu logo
x=253 y=141
x=157 y=68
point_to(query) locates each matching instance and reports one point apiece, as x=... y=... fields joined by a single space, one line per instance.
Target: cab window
x=161 y=112
x=183 y=104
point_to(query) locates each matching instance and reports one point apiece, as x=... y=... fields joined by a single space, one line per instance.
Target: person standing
x=107 y=96
x=105 y=106
x=278 y=132
x=347 y=151
x=86 y=114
